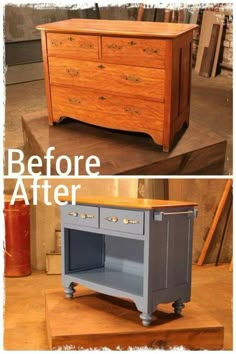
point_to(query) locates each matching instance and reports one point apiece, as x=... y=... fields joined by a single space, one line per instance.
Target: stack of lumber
x=210 y=43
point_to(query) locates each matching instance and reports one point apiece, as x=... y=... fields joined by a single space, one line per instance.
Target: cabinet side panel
x=180 y=242
x=180 y=83
x=168 y=95
x=46 y=76
x=171 y=257
x=159 y=255
x=184 y=77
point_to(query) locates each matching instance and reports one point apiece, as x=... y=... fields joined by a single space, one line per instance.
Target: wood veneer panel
x=123 y=79
x=116 y=28
x=72 y=45
x=148 y=52
x=107 y=110
x=209 y=53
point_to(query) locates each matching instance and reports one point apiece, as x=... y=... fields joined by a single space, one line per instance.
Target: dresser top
x=117 y=28
x=134 y=203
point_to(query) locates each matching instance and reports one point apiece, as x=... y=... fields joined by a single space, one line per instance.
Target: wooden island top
x=137 y=203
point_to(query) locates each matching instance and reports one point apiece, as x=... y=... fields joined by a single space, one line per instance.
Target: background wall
x=22 y=40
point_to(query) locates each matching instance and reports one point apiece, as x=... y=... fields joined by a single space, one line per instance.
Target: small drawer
x=80 y=215
x=134 y=51
x=127 y=221
x=72 y=46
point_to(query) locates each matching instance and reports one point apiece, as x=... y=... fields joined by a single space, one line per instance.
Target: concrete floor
x=211 y=106
x=25 y=327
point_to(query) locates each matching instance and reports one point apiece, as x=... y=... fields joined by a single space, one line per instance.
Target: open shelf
x=125 y=282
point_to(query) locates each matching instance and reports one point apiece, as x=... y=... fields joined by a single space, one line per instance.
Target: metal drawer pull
x=158 y=216
x=177 y=212
x=87 y=216
x=72 y=213
x=111 y=219
x=127 y=221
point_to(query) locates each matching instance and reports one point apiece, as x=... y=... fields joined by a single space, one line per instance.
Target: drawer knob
x=74 y=100
x=111 y=218
x=127 y=221
x=86 y=45
x=114 y=46
x=72 y=72
x=101 y=66
x=72 y=213
x=101 y=98
x=131 y=78
x=151 y=51
x=131 y=43
x=86 y=216
x=132 y=111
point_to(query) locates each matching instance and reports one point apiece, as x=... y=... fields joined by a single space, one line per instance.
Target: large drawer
x=134 y=51
x=80 y=215
x=129 y=80
x=107 y=110
x=72 y=46
x=127 y=221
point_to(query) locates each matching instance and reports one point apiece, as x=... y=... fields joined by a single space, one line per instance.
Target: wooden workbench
x=93 y=320
x=199 y=151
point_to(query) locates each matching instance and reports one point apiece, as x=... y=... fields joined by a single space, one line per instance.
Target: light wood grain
x=138 y=203
x=72 y=45
x=101 y=55
x=128 y=80
x=215 y=221
x=110 y=322
x=128 y=28
x=231 y=265
x=46 y=76
x=107 y=110
x=140 y=52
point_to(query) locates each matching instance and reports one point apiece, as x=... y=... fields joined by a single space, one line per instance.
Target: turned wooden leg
x=146 y=318
x=178 y=306
x=69 y=291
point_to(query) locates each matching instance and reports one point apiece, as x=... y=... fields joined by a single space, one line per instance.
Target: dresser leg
x=178 y=306
x=146 y=318
x=69 y=291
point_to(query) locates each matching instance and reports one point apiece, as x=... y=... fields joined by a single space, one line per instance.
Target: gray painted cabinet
x=134 y=250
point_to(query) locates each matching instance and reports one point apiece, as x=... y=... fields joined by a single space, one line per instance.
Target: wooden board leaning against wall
x=207 y=193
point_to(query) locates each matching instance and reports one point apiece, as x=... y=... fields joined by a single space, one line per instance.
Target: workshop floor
x=25 y=327
x=211 y=105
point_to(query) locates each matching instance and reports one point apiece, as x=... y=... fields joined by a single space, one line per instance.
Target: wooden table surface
x=137 y=203
x=129 y=28
x=199 y=151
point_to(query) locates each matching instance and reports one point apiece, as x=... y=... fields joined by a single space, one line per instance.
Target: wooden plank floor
x=94 y=320
x=200 y=151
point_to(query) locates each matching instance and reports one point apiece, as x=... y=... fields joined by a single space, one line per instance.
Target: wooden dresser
x=124 y=75
x=140 y=249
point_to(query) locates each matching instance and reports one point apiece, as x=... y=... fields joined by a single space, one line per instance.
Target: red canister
x=17 y=238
